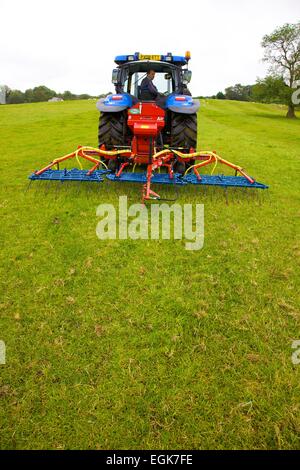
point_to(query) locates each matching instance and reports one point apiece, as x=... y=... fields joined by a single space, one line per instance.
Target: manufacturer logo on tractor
x=134 y=111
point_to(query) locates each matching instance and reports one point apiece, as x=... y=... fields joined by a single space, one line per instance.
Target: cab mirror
x=114 y=77
x=186 y=76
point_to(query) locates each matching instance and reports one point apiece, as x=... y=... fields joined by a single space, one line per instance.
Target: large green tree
x=29 y=95
x=271 y=89
x=16 y=97
x=67 y=95
x=42 y=93
x=238 y=92
x=220 y=96
x=282 y=52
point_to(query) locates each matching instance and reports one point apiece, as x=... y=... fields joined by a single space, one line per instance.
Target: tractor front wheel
x=184 y=130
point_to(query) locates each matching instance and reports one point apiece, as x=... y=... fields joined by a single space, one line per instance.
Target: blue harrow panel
x=69 y=175
x=224 y=181
x=158 y=178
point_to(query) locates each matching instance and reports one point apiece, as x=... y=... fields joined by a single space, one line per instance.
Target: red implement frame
x=88 y=153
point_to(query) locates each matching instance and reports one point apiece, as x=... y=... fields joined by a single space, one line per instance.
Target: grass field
x=142 y=344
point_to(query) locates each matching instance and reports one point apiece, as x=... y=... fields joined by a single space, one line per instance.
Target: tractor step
x=157 y=178
x=69 y=175
x=222 y=180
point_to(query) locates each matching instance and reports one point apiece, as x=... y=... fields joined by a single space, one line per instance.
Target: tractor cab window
x=125 y=86
x=163 y=81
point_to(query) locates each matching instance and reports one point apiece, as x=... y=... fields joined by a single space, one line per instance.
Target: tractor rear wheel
x=184 y=130
x=112 y=129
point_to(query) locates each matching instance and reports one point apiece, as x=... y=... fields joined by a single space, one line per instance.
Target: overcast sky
x=71 y=44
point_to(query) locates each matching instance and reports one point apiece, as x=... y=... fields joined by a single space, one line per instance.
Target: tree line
x=41 y=93
x=271 y=89
x=282 y=84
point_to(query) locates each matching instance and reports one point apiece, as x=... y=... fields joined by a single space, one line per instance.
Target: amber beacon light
x=187 y=55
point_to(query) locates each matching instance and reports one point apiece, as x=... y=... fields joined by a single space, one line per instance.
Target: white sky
x=71 y=44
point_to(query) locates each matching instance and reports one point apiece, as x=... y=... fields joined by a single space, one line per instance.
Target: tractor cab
x=128 y=78
x=170 y=76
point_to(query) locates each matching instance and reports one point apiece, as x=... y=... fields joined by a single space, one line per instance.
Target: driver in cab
x=149 y=92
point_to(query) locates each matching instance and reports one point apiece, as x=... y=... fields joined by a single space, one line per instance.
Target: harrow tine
x=47 y=187
x=57 y=187
x=226 y=196
x=78 y=187
x=236 y=195
x=28 y=186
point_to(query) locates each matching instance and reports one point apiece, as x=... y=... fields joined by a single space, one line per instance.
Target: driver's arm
x=152 y=88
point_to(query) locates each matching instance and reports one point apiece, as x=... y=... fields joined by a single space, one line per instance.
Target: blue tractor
x=132 y=118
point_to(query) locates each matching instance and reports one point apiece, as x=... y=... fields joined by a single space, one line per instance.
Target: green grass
x=142 y=344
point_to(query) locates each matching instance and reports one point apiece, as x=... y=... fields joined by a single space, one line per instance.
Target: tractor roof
x=169 y=58
x=137 y=66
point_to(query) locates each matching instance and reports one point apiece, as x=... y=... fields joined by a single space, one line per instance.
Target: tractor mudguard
x=183 y=104
x=115 y=103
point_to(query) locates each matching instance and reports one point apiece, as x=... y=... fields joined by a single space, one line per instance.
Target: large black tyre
x=112 y=129
x=184 y=130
